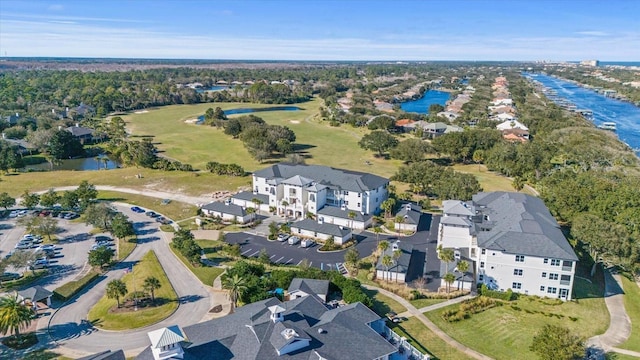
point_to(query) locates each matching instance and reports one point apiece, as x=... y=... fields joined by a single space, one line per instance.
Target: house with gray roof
x=225 y=210
x=296 y=190
x=299 y=329
x=84 y=134
x=399 y=267
x=346 y=218
x=514 y=242
x=304 y=287
x=318 y=229
x=410 y=215
x=247 y=199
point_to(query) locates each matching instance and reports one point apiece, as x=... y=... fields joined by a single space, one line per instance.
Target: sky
x=393 y=30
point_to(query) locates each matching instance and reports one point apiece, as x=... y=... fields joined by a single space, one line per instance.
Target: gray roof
x=106 y=355
x=410 y=216
x=20 y=143
x=35 y=293
x=456 y=221
x=456 y=207
x=400 y=265
x=435 y=126
x=297 y=180
x=223 y=207
x=521 y=224
x=343 y=214
x=80 y=131
x=310 y=286
x=249 y=334
x=333 y=178
x=249 y=196
x=324 y=228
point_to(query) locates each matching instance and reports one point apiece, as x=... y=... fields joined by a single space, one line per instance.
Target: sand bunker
x=141 y=112
x=294 y=121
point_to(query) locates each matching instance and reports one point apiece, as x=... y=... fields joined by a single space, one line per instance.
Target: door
x=564 y=293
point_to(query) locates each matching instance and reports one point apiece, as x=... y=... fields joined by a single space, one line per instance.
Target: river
x=624 y=114
x=421 y=106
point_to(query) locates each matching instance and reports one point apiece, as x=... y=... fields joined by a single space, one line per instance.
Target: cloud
x=55 y=7
x=592 y=33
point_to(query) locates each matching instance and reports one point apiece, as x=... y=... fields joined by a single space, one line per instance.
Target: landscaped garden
x=514 y=324
x=149 y=306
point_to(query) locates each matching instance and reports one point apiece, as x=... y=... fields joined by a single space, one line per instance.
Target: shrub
x=68 y=290
x=508 y=295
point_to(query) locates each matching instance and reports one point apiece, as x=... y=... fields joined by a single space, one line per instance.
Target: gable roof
x=343 y=214
x=310 y=286
x=401 y=264
x=80 y=131
x=410 y=216
x=521 y=224
x=324 y=228
x=297 y=180
x=222 y=207
x=456 y=207
x=166 y=336
x=331 y=177
x=249 y=196
x=35 y=293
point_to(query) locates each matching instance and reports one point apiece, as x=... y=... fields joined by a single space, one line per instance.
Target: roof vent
x=321 y=331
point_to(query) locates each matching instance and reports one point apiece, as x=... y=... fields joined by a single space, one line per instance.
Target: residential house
x=410 y=215
x=227 y=211
x=84 y=110
x=463 y=280
x=514 y=242
x=511 y=124
x=12 y=119
x=299 y=329
x=399 y=268
x=432 y=130
x=320 y=230
x=23 y=146
x=515 y=135
x=84 y=134
x=300 y=287
x=449 y=115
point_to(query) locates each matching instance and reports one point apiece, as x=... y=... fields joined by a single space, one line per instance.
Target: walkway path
x=420 y=316
x=619 y=325
x=438 y=305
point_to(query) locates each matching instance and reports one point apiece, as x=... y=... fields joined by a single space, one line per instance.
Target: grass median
x=106 y=315
x=206 y=274
x=68 y=290
x=175 y=210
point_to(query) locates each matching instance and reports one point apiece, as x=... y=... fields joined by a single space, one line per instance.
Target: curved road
x=69 y=327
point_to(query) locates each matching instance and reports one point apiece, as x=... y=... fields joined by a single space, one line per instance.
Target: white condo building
x=513 y=241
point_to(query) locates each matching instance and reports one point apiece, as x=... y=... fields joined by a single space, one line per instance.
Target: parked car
x=102 y=238
x=22 y=213
x=9 y=254
x=40 y=264
x=293 y=240
x=47 y=247
x=137 y=209
x=8 y=276
x=307 y=243
x=151 y=214
x=23 y=245
x=283 y=237
x=44 y=213
x=70 y=216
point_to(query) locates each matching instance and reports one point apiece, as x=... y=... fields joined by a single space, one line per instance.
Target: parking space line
x=298 y=262
x=289 y=261
x=277 y=261
x=246 y=251
x=272 y=256
x=255 y=253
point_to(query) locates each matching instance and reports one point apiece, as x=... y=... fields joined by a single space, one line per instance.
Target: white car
x=22 y=213
x=294 y=240
x=283 y=237
x=307 y=243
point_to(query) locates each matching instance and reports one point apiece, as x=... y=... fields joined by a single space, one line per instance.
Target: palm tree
x=399 y=221
x=387 y=261
x=447 y=256
x=383 y=246
x=236 y=286
x=251 y=211
x=151 y=284
x=463 y=266
x=116 y=289
x=285 y=203
x=518 y=183
x=351 y=215
x=14 y=314
x=396 y=255
x=257 y=202
x=377 y=230
x=449 y=278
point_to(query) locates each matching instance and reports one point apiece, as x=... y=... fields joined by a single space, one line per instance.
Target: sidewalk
x=441 y=334
x=439 y=305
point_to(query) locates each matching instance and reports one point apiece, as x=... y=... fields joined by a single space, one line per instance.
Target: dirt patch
x=191 y=121
x=294 y=121
x=141 y=112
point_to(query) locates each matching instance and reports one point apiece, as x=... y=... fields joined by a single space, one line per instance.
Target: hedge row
x=68 y=290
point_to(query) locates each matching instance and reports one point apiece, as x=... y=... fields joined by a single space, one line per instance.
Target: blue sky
x=324 y=30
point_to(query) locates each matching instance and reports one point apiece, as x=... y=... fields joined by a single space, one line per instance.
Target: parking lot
x=75 y=241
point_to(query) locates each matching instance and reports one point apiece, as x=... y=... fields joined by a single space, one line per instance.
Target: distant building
x=589 y=63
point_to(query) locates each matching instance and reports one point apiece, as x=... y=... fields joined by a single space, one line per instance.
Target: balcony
x=565 y=282
x=406 y=351
x=566 y=268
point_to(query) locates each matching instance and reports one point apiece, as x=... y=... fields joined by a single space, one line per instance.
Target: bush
x=68 y=290
x=508 y=295
x=225 y=169
x=469 y=307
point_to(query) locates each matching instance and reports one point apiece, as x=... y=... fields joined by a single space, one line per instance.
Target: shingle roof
x=456 y=221
x=35 y=293
x=343 y=214
x=310 y=286
x=456 y=207
x=521 y=224
x=80 y=131
x=410 y=216
x=324 y=228
x=297 y=180
x=222 y=207
x=400 y=265
x=331 y=177
x=249 y=196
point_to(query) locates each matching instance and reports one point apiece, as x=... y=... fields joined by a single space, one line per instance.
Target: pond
x=421 y=106
x=83 y=164
x=252 y=110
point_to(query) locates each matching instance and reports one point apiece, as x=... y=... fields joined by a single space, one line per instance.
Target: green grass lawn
x=102 y=314
x=175 y=210
x=66 y=291
x=632 y=305
x=502 y=331
x=199 y=144
x=126 y=246
x=426 y=341
x=489 y=180
x=206 y=274
x=420 y=303
x=383 y=304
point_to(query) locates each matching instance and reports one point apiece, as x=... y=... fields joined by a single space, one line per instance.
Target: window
x=345 y=193
x=358 y=205
x=481 y=264
x=551 y=290
x=555 y=262
x=517 y=272
x=312 y=197
x=359 y=194
x=484 y=251
x=516 y=285
x=292 y=192
x=553 y=276
x=519 y=258
x=544 y=274
x=346 y=203
x=481 y=278
x=541 y=288
x=266 y=188
x=546 y=261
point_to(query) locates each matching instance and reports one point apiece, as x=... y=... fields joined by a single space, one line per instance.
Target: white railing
x=405 y=349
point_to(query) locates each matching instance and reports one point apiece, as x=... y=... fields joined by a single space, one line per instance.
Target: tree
x=396 y=255
x=236 y=285
x=263 y=257
x=554 y=342
x=449 y=278
x=14 y=314
x=379 y=141
x=49 y=199
x=399 y=220
x=63 y=145
x=411 y=150
x=478 y=157
x=69 y=200
x=352 y=256
x=87 y=194
x=388 y=206
x=21 y=259
x=252 y=212
x=387 y=261
x=100 y=256
x=116 y=289
x=151 y=284
x=518 y=183
x=463 y=267
x=257 y=202
x=446 y=255
x=44 y=226
x=6 y=201
x=285 y=203
x=121 y=227
x=383 y=246
x=377 y=230
x=351 y=215
x=99 y=215
x=30 y=200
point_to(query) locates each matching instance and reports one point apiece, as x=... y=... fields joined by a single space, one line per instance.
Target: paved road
x=69 y=327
